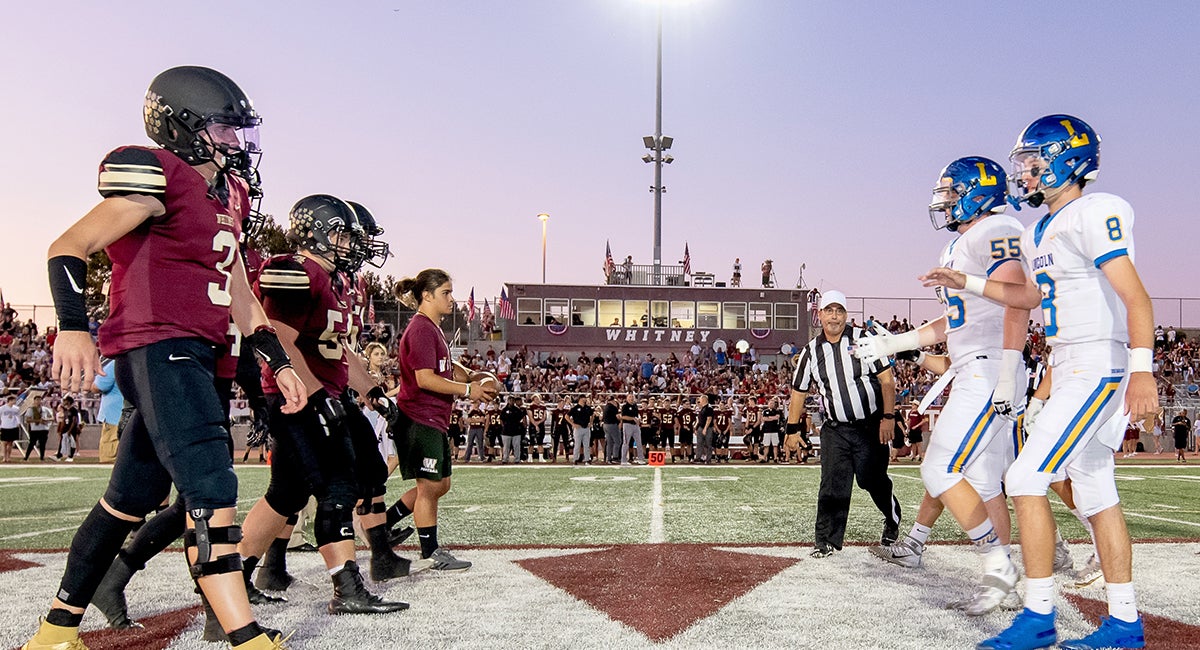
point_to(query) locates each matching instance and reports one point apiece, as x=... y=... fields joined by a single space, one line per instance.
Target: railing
x=647 y=275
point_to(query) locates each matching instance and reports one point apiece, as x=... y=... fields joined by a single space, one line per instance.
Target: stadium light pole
x=543 y=217
x=657 y=144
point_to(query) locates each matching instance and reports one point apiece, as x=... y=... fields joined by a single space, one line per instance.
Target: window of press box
x=787 y=316
x=660 y=313
x=529 y=311
x=610 y=313
x=760 y=315
x=708 y=314
x=557 y=311
x=583 y=313
x=637 y=313
x=683 y=314
x=733 y=315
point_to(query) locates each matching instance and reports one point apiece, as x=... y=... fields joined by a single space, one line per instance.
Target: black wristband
x=266 y=345
x=376 y=393
x=68 y=279
x=793 y=427
x=888 y=416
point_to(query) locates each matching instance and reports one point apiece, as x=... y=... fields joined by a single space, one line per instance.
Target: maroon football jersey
x=537 y=412
x=295 y=290
x=171 y=274
x=687 y=418
x=722 y=418
x=424 y=346
x=358 y=306
x=667 y=415
x=227 y=363
x=751 y=416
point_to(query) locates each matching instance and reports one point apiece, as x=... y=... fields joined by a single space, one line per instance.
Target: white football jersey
x=975 y=325
x=1064 y=251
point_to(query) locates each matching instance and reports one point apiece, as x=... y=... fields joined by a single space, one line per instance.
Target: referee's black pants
x=848 y=452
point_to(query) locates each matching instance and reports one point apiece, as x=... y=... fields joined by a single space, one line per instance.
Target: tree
x=99 y=273
x=271 y=239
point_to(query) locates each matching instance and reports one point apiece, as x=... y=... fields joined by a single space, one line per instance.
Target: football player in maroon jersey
x=170 y=222
x=160 y=531
x=306 y=296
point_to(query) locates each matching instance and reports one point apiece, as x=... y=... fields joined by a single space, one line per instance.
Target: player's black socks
x=64 y=618
x=397 y=512
x=429 y=541
x=93 y=548
x=244 y=634
x=156 y=534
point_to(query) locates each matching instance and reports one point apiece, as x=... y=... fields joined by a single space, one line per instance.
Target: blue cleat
x=1112 y=633
x=1029 y=630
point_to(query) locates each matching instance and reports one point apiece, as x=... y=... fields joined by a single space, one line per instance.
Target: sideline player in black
x=170 y=222
x=306 y=296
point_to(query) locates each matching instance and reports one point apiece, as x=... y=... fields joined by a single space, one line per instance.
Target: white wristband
x=467 y=395
x=1141 y=360
x=974 y=284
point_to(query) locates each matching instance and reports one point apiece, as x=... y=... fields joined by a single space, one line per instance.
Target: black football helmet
x=315 y=225
x=376 y=251
x=189 y=108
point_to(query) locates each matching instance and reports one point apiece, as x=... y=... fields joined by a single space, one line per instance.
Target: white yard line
x=566 y=508
x=1170 y=521
x=657 y=536
x=37 y=533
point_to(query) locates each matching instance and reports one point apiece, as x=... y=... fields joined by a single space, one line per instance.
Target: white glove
x=1031 y=412
x=883 y=344
x=1006 y=387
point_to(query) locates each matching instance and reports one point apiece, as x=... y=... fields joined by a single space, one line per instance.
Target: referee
x=860 y=399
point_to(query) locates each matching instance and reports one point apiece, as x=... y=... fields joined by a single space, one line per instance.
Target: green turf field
x=40 y=506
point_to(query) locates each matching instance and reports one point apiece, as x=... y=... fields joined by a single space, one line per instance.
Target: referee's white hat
x=833 y=297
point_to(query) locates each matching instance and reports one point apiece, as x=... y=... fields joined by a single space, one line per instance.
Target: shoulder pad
x=283 y=272
x=131 y=170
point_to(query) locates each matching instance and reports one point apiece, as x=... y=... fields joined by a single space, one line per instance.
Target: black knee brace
x=203 y=537
x=334 y=523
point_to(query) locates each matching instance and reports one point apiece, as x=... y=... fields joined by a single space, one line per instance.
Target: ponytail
x=410 y=291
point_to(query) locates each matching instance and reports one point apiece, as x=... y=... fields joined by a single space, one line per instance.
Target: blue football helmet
x=1053 y=152
x=967 y=188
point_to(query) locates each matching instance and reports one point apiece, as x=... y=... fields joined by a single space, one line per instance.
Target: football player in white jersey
x=1100 y=322
x=969 y=449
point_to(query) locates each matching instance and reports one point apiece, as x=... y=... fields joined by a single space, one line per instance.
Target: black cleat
x=110 y=596
x=350 y=595
x=258 y=597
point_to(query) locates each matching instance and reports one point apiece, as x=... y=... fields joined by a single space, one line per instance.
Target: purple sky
x=806 y=132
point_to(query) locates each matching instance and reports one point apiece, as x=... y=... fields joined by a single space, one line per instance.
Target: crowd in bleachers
x=735 y=377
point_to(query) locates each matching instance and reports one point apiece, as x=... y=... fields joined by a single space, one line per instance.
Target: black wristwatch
x=888 y=416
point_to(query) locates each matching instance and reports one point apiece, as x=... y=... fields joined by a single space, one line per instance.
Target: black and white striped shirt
x=848 y=385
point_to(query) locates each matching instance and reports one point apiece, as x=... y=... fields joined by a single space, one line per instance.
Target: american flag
x=471 y=306
x=504 y=308
x=687 y=260
x=487 y=323
x=371 y=310
x=609 y=265
x=814 y=301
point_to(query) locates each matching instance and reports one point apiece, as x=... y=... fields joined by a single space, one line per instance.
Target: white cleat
x=1090 y=572
x=906 y=553
x=993 y=590
x=1063 y=562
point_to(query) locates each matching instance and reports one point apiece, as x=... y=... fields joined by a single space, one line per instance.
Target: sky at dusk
x=805 y=132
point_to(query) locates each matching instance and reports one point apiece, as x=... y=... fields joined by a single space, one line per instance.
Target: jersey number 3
x=219 y=293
